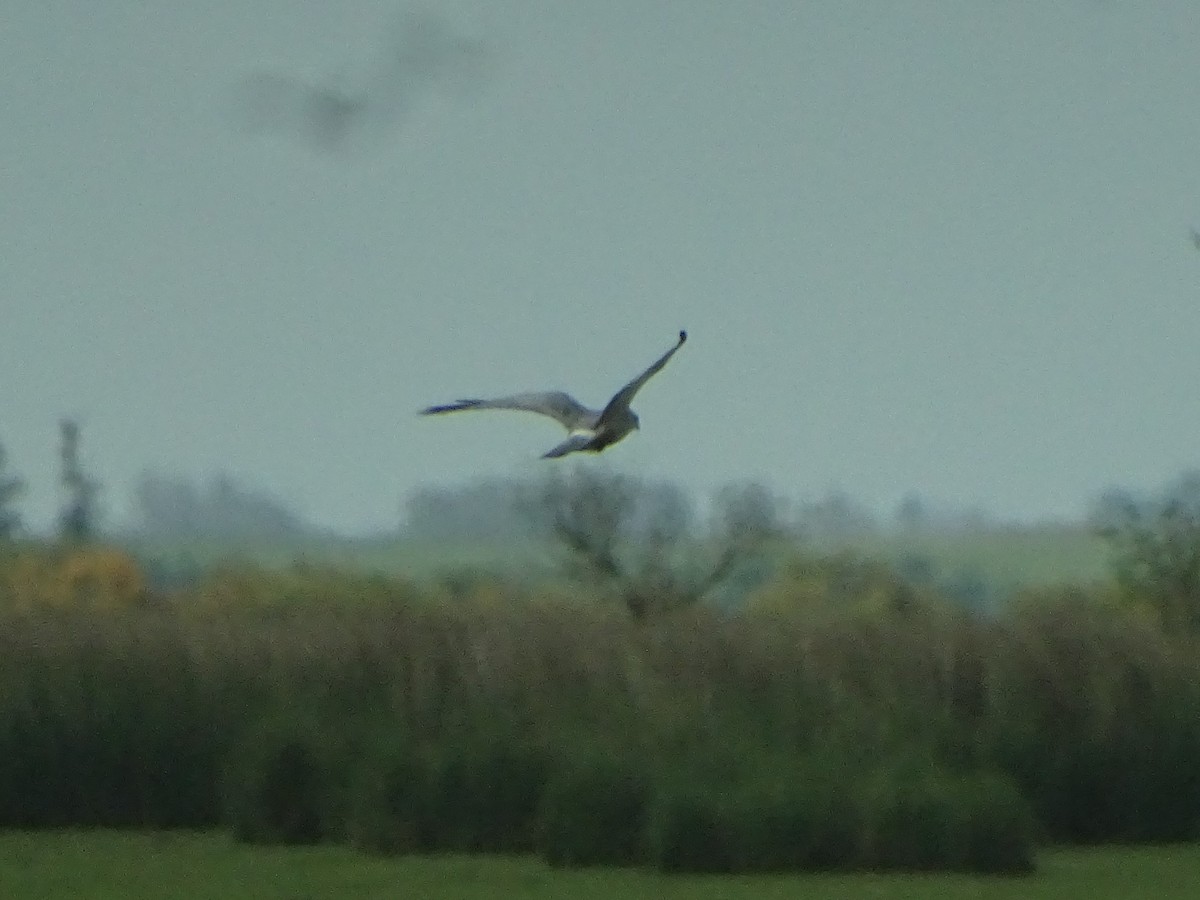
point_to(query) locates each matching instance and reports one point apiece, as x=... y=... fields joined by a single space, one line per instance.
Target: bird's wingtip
x=682 y=335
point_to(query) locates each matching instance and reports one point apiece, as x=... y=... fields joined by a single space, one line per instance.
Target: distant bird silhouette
x=423 y=52
x=590 y=429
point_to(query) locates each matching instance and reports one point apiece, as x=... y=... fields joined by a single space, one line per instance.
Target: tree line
x=78 y=516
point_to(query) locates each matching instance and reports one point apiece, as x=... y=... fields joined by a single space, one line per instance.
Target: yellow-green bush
x=71 y=578
x=814 y=587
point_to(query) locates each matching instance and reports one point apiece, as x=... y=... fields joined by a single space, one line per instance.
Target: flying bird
x=589 y=429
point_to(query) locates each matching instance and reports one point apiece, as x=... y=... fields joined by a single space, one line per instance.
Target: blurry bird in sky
x=422 y=53
x=590 y=429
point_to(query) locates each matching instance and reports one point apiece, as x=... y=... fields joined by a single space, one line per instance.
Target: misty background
x=937 y=249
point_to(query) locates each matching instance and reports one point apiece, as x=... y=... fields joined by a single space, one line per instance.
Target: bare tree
x=640 y=543
x=1156 y=549
x=11 y=488
x=78 y=519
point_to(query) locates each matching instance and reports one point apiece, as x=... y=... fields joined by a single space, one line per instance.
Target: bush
x=688 y=830
x=390 y=804
x=919 y=817
x=778 y=815
x=484 y=791
x=104 y=720
x=814 y=815
x=593 y=811
x=1001 y=830
x=1096 y=715
x=803 y=823
x=90 y=577
x=467 y=793
x=281 y=785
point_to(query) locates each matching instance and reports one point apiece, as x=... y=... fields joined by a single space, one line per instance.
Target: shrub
x=89 y=577
x=1096 y=715
x=281 y=784
x=804 y=822
x=1000 y=827
x=476 y=792
x=390 y=803
x=688 y=830
x=919 y=817
x=104 y=720
x=814 y=814
x=778 y=814
x=484 y=792
x=593 y=811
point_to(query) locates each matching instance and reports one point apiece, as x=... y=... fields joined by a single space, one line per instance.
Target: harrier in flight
x=590 y=429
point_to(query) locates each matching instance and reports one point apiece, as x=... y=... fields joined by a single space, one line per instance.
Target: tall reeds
x=312 y=705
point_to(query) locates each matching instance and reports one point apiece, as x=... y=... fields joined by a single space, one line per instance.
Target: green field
x=1002 y=557
x=107 y=865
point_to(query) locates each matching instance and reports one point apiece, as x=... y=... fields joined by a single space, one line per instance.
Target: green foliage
x=792 y=822
x=1156 y=552
x=389 y=806
x=1096 y=713
x=593 y=811
x=105 y=720
x=688 y=831
x=484 y=791
x=819 y=814
x=329 y=708
x=918 y=816
x=837 y=585
x=281 y=782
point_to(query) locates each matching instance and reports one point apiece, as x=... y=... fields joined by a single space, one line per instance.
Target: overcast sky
x=935 y=246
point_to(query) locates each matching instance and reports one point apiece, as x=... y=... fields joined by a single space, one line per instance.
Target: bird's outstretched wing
x=624 y=396
x=578 y=440
x=560 y=406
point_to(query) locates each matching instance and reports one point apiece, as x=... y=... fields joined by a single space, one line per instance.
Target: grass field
x=1003 y=557
x=106 y=865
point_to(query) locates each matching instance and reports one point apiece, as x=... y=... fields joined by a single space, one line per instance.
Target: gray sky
x=937 y=246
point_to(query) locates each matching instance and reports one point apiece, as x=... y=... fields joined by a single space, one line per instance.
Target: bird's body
x=589 y=429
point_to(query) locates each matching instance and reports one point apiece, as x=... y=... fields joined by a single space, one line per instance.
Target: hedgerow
x=321 y=708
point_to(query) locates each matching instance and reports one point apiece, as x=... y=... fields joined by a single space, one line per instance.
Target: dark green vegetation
x=847 y=714
x=99 y=865
x=863 y=724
